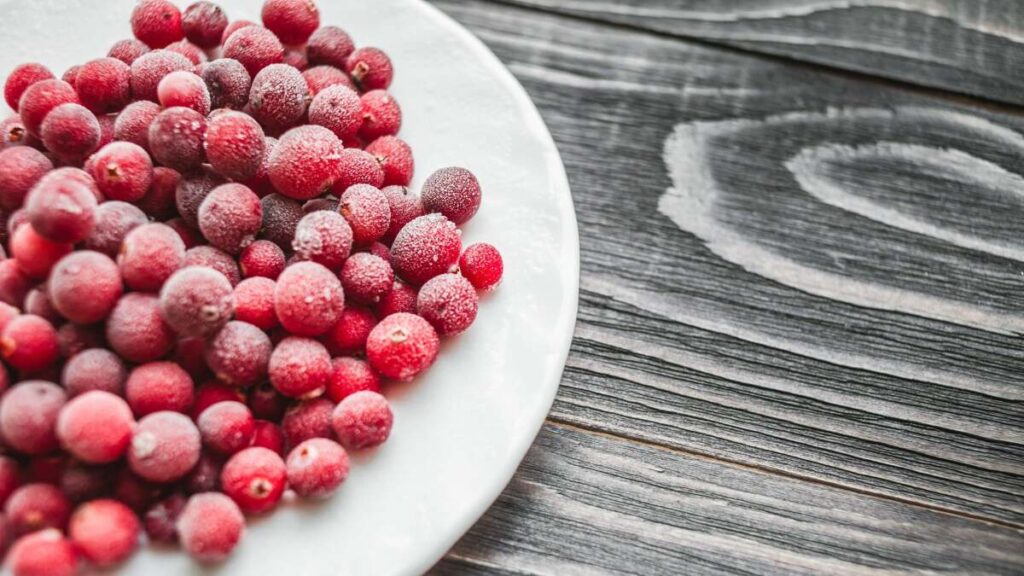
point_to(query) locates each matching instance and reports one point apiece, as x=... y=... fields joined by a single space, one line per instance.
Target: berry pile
x=212 y=262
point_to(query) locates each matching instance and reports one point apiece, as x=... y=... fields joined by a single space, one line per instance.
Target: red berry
x=160 y=519
x=132 y=124
x=94 y=369
x=29 y=343
x=307 y=419
x=381 y=115
x=159 y=386
x=268 y=435
x=230 y=217
x=350 y=375
x=204 y=23
x=104 y=84
x=44 y=553
x=196 y=301
x=401 y=346
x=370 y=68
x=226 y=427
x=210 y=526
x=255 y=479
x=228 y=83
x=82 y=482
x=189 y=235
x=104 y=532
x=299 y=367
x=308 y=299
x=95 y=427
x=74 y=338
x=291 y=20
x=368 y=212
x=481 y=264
x=317 y=467
x=366 y=277
x=239 y=354
x=122 y=171
x=265 y=402
x=395 y=158
x=281 y=215
x=278 y=96
x=453 y=192
x=401 y=298
x=150 y=68
x=136 y=330
x=234 y=145
x=254 y=302
x=255 y=47
x=339 y=109
x=426 y=247
x=20 y=168
x=215 y=258
x=157 y=23
x=164 y=447
x=37 y=302
x=34 y=254
x=449 y=302
x=62 y=206
x=212 y=393
x=191 y=192
x=84 y=286
x=159 y=200
x=329 y=45
x=362 y=420
x=323 y=237
x=149 y=255
x=189 y=50
x=185 y=89
x=381 y=251
x=40 y=98
x=205 y=477
x=128 y=50
x=260 y=181
x=176 y=138
x=106 y=130
x=23 y=76
x=320 y=77
x=28 y=415
x=261 y=258
x=35 y=507
x=136 y=493
x=304 y=163
x=71 y=132
x=234 y=27
x=348 y=335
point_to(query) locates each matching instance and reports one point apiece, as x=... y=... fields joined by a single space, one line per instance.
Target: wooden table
x=802 y=297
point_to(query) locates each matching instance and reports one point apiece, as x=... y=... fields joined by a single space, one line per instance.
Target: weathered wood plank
x=968 y=46
x=806 y=272
x=585 y=504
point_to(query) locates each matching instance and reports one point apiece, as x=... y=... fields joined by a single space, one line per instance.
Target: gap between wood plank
x=955 y=97
x=557 y=423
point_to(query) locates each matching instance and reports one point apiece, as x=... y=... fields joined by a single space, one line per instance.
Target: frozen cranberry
x=74 y=338
x=281 y=215
x=329 y=45
x=317 y=467
x=104 y=532
x=339 y=109
x=61 y=207
x=35 y=507
x=255 y=47
x=40 y=98
x=401 y=298
x=308 y=299
x=362 y=420
x=191 y=192
x=150 y=68
x=261 y=258
x=380 y=250
x=210 y=526
x=278 y=96
x=426 y=247
x=104 y=84
x=228 y=83
x=29 y=343
x=157 y=23
x=381 y=115
x=176 y=138
x=159 y=199
x=71 y=74
x=193 y=53
x=268 y=435
x=368 y=212
x=164 y=447
x=260 y=181
x=449 y=302
x=122 y=171
x=453 y=192
x=44 y=553
x=401 y=346
x=230 y=217
x=149 y=255
x=204 y=23
x=132 y=124
x=291 y=20
x=304 y=163
x=71 y=132
x=481 y=264
x=23 y=76
x=185 y=89
x=196 y=301
x=136 y=330
x=395 y=158
x=189 y=235
x=216 y=259
x=299 y=367
x=205 y=477
x=227 y=427
x=159 y=520
x=308 y=419
x=370 y=68
x=366 y=277
x=35 y=255
x=84 y=286
x=212 y=393
x=348 y=335
x=255 y=479
x=28 y=415
x=319 y=78
x=323 y=237
x=128 y=50
x=21 y=167
x=234 y=145
x=95 y=427
x=94 y=369
x=239 y=354
x=350 y=375
x=159 y=386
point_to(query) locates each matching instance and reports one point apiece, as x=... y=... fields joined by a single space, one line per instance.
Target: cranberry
x=40 y=98
x=216 y=259
x=212 y=393
x=350 y=375
x=261 y=258
x=401 y=346
x=74 y=338
x=122 y=171
x=348 y=336
x=14 y=284
x=426 y=247
x=362 y=420
x=23 y=76
x=265 y=402
x=157 y=23
x=62 y=206
x=10 y=478
x=299 y=367
x=128 y=50
x=20 y=168
x=268 y=435
x=308 y=299
x=114 y=220
x=381 y=115
x=182 y=88
x=189 y=235
x=278 y=96
x=132 y=124
x=196 y=301
x=150 y=68
x=189 y=50
x=234 y=145
x=254 y=46
x=339 y=109
x=176 y=138
x=159 y=200
x=239 y=354
x=13 y=133
x=204 y=23
x=37 y=303
x=28 y=415
x=159 y=386
x=366 y=277
x=164 y=447
x=228 y=83
x=370 y=68
x=35 y=507
x=323 y=237
x=136 y=330
x=368 y=211
x=205 y=477
x=210 y=526
x=94 y=369
x=230 y=217
x=260 y=181
x=149 y=255
x=255 y=479
x=71 y=132
x=317 y=467
x=296 y=58
x=35 y=255
x=329 y=45
x=159 y=521
x=395 y=158
x=84 y=286
x=254 y=302
x=320 y=77
x=191 y=192
x=104 y=84
x=291 y=20
x=104 y=532
x=29 y=343
x=44 y=553
x=234 y=27
x=281 y=216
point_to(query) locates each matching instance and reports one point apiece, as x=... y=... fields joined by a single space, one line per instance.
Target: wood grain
x=584 y=504
x=810 y=273
x=968 y=46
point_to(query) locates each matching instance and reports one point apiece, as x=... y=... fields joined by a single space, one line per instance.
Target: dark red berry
x=204 y=23
x=370 y=68
x=94 y=369
x=150 y=68
x=454 y=192
x=136 y=330
x=159 y=200
x=164 y=447
x=239 y=354
x=71 y=132
x=230 y=217
x=381 y=115
x=62 y=206
x=329 y=45
x=20 y=168
x=327 y=203
x=255 y=47
x=228 y=83
x=323 y=237
x=28 y=416
x=157 y=23
x=234 y=145
x=189 y=353
x=160 y=519
x=104 y=532
x=401 y=346
x=426 y=247
x=254 y=302
x=104 y=84
x=261 y=258
x=395 y=158
x=122 y=171
x=299 y=367
x=196 y=301
x=95 y=427
x=281 y=215
x=176 y=138
x=84 y=286
x=210 y=526
x=350 y=375
x=307 y=419
x=362 y=420
x=255 y=479
x=320 y=77
x=191 y=192
x=278 y=96
x=132 y=124
x=23 y=76
x=260 y=181
x=29 y=343
x=40 y=98
x=366 y=277
x=291 y=20
x=128 y=50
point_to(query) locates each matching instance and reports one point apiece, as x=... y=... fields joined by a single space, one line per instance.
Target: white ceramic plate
x=460 y=430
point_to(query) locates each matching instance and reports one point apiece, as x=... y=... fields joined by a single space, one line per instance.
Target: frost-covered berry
x=150 y=68
x=255 y=47
x=339 y=109
x=254 y=302
x=43 y=553
x=71 y=132
x=291 y=20
x=29 y=343
x=299 y=367
x=96 y=369
x=136 y=330
x=307 y=419
x=348 y=335
x=193 y=53
x=226 y=427
x=104 y=84
x=260 y=180
x=28 y=416
x=281 y=215
x=122 y=171
x=186 y=89
x=23 y=76
x=228 y=83
x=132 y=124
x=164 y=447
x=401 y=298
x=196 y=301
x=189 y=235
x=308 y=299
x=304 y=163
x=191 y=192
x=20 y=168
x=454 y=192
x=128 y=50
x=239 y=354
x=401 y=346
x=317 y=467
x=320 y=77
x=278 y=96
x=268 y=435
x=40 y=98
x=350 y=375
x=230 y=217
x=381 y=115
x=157 y=23
x=95 y=427
x=357 y=167
x=159 y=386
x=214 y=258
x=255 y=479
x=426 y=247
x=261 y=258
x=84 y=286
x=34 y=254
x=35 y=507
x=370 y=68
x=204 y=23
x=481 y=264
x=234 y=145
x=176 y=138
x=366 y=277
x=323 y=237
x=296 y=58
x=329 y=45
x=104 y=532
x=149 y=255
x=381 y=251
x=449 y=302
x=362 y=420
x=234 y=26
x=62 y=206
x=395 y=158
x=368 y=212
x=210 y=526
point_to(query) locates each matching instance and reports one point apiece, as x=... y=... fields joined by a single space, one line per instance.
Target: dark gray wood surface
x=799 y=284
